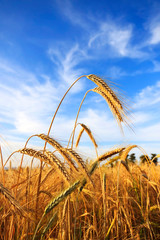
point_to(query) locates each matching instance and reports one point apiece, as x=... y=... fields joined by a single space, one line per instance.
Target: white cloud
x=73 y=14
x=67 y=64
x=115 y=40
x=26 y=104
x=115 y=36
x=149 y=96
x=156 y=67
x=115 y=72
x=155 y=34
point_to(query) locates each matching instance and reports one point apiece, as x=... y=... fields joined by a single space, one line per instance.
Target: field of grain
x=67 y=198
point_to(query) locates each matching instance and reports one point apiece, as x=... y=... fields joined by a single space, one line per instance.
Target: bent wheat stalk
x=60 y=105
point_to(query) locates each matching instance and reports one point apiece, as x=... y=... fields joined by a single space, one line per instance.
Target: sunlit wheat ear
x=80 y=162
x=125 y=152
x=117 y=112
x=37 y=154
x=88 y=131
x=109 y=154
x=59 y=148
x=58 y=163
x=106 y=89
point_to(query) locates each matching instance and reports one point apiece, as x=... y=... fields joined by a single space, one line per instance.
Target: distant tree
x=132 y=158
x=155 y=160
x=144 y=159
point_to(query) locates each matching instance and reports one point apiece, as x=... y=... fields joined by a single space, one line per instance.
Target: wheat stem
x=77 y=116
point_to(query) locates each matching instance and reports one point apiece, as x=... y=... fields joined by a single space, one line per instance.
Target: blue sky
x=46 y=45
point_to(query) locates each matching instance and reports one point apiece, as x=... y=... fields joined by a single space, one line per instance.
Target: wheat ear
x=109 y=154
x=125 y=152
x=60 y=149
x=51 y=221
x=106 y=89
x=54 y=202
x=79 y=136
x=80 y=162
x=117 y=113
x=37 y=154
x=58 y=163
x=88 y=131
x=11 y=199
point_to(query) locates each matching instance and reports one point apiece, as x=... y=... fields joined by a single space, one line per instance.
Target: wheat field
x=69 y=198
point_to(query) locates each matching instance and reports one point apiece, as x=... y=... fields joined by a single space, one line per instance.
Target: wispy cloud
x=149 y=96
x=67 y=64
x=25 y=103
x=75 y=16
x=116 y=40
x=154 y=28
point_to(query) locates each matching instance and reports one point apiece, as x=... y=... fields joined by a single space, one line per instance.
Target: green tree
x=131 y=158
x=154 y=158
x=144 y=159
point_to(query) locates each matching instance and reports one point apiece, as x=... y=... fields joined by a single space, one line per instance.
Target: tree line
x=131 y=158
